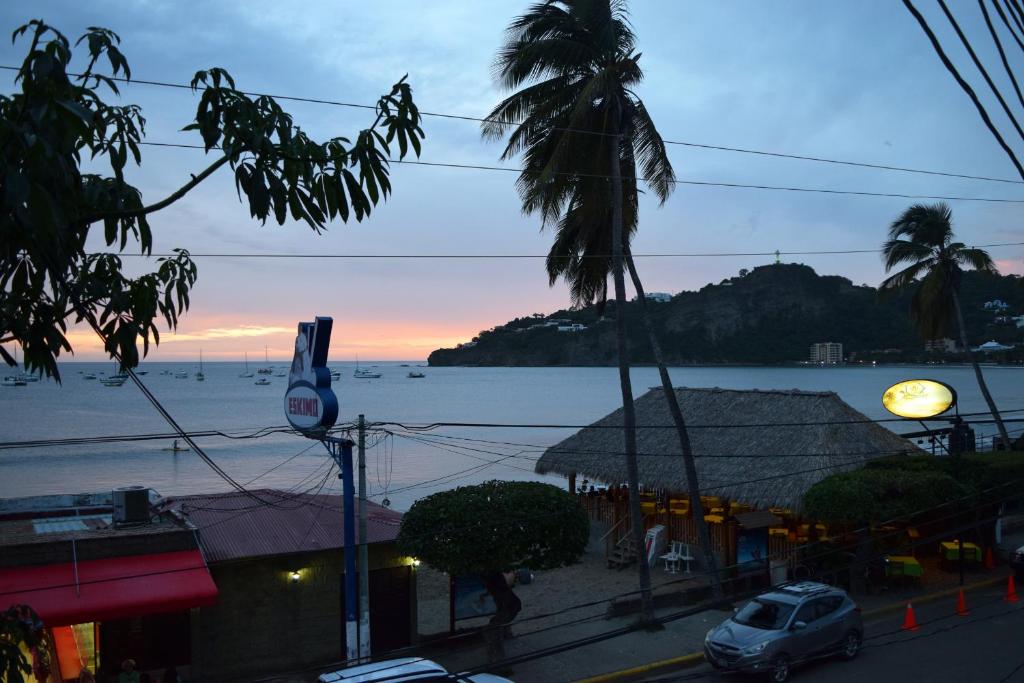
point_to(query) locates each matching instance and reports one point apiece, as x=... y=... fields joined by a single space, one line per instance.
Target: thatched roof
x=839 y=439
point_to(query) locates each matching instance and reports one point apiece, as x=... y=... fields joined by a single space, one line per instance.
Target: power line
x=674 y=181
x=682 y=143
x=821 y=252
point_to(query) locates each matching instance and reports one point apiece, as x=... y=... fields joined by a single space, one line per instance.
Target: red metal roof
x=234 y=526
x=110 y=588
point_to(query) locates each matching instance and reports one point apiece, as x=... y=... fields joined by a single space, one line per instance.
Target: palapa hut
x=761 y=449
x=818 y=434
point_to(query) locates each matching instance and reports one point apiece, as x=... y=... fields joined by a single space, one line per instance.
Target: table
x=903 y=565
x=950 y=551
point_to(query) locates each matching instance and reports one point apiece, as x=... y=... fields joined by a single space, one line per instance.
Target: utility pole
x=364 y=559
x=341 y=451
x=956 y=445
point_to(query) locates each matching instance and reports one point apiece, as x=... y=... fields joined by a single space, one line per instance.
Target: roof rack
x=803 y=588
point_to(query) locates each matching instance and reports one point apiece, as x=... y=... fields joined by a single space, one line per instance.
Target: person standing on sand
x=499 y=585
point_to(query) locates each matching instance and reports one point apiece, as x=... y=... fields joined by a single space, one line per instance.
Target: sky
x=855 y=81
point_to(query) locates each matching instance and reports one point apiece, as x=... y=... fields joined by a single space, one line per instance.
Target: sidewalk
x=634 y=655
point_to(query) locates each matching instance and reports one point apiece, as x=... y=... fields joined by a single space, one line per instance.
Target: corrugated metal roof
x=234 y=526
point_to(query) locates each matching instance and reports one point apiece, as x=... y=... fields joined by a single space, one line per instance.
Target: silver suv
x=788 y=625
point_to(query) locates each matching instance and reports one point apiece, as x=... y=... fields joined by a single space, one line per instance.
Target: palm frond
x=978 y=259
x=897 y=251
x=905 y=277
x=651 y=153
x=926 y=224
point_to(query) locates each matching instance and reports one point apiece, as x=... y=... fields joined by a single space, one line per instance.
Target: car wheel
x=779 y=672
x=851 y=645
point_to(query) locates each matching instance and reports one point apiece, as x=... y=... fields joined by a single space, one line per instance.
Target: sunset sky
x=853 y=81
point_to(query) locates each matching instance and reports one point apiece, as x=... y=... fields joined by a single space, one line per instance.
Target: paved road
x=984 y=647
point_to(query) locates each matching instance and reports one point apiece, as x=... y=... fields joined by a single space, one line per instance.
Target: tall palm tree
x=583 y=133
x=923 y=237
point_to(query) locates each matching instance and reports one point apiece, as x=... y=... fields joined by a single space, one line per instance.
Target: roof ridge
x=785 y=392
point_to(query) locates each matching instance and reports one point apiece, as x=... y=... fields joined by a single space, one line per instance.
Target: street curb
x=684 y=660
x=695 y=657
x=932 y=597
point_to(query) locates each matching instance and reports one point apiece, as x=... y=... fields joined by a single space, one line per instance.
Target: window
x=766 y=614
x=808 y=612
x=826 y=606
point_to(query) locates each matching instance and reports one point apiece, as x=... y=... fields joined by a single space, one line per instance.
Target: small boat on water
x=113 y=381
x=142 y=372
x=175 y=448
x=262 y=381
x=266 y=359
x=181 y=374
x=200 y=377
x=364 y=374
x=246 y=372
x=415 y=375
x=13 y=381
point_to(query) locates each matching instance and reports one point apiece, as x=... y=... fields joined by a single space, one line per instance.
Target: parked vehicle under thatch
x=746 y=442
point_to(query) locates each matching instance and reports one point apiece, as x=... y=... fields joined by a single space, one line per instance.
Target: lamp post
x=312 y=409
x=921 y=399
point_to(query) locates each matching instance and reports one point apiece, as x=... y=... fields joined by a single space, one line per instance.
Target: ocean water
x=401 y=466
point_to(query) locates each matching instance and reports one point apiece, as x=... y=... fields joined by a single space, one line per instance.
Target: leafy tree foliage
x=20 y=625
x=867 y=496
x=496 y=525
x=899 y=486
x=58 y=120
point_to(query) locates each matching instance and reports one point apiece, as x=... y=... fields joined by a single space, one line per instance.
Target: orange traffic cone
x=909 y=620
x=961 y=605
x=1011 y=591
x=990 y=562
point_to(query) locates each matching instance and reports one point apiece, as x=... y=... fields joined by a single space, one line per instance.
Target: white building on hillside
x=829 y=353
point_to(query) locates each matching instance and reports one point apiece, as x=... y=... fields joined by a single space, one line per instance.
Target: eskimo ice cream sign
x=309 y=404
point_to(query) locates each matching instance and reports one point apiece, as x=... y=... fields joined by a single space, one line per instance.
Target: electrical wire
x=257 y=255
x=674 y=181
x=697 y=145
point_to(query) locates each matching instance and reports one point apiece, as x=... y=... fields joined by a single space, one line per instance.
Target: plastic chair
x=685 y=556
x=672 y=558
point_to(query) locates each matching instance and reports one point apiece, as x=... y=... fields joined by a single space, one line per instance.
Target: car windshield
x=766 y=614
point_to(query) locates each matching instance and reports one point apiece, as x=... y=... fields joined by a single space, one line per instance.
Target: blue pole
x=351 y=606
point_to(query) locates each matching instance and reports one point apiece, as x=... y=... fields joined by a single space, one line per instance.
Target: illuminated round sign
x=919 y=398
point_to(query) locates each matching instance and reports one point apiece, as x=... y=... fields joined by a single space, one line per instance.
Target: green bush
x=496 y=525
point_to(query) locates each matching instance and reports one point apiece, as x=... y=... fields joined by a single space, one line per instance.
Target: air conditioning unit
x=131 y=505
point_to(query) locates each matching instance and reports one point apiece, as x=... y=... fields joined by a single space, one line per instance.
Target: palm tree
x=923 y=237
x=583 y=133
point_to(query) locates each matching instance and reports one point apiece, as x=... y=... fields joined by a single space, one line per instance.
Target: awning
x=111 y=588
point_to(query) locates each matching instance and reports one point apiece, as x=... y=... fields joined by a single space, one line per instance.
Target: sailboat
x=364 y=374
x=246 y=373
x=266 y=358
x=199 y=375
x=22 y=378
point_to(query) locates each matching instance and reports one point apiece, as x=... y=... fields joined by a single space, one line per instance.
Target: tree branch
x=163 y=204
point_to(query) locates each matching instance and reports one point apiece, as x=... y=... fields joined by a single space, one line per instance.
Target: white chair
x=672 y=557
x=684 y=556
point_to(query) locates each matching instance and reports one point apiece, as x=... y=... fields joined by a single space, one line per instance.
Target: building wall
x=826 y=352
x=264 y=623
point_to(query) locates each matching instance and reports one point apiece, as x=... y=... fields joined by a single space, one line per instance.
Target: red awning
x=111 y=588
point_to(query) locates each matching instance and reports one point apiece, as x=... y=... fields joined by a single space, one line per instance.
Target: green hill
x=770 y=315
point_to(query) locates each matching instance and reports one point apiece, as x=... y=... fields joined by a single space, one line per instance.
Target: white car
x=407 y=669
